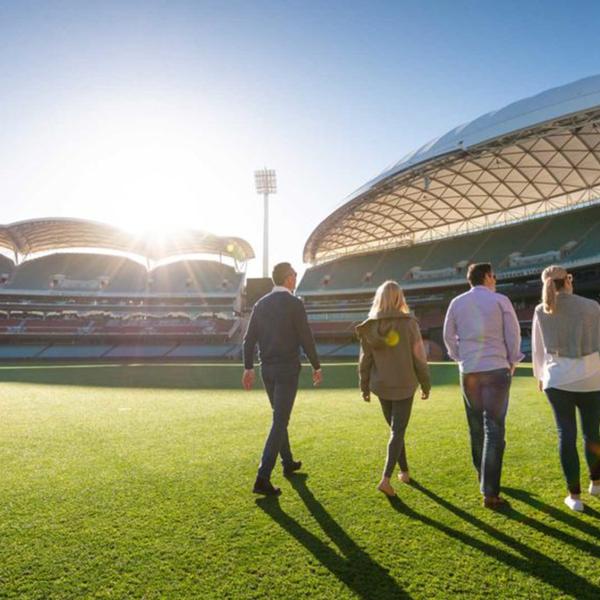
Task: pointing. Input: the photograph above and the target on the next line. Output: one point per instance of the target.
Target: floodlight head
(266, 181)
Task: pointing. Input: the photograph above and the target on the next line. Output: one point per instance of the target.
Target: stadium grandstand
(72, 289)
(518, 187)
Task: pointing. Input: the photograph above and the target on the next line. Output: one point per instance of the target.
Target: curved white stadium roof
(48, 235)
(533, 156)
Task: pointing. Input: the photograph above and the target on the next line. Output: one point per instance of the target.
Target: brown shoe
(291, 468)
(495, 502)
(265, 487)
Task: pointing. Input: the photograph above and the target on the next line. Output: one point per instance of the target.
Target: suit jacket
(279, 325)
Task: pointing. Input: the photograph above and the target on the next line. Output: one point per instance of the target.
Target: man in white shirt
(482, 334)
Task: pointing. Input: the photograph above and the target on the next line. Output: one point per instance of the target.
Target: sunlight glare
(140, 166)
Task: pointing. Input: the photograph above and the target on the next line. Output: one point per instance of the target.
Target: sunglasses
(568, 278)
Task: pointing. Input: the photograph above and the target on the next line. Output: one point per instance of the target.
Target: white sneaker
(594, 489)
(573, 504)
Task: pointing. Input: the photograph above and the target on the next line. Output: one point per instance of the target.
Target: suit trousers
(281, 384)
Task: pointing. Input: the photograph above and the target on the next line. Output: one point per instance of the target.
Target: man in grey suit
(279, 326)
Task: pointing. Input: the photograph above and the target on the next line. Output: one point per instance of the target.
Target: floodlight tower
(266, 183)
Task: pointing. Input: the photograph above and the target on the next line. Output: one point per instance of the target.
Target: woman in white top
(566, 363)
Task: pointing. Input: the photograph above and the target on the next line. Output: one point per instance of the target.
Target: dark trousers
(564, 404)
(281, 384)
(486, 401)
(397, 415)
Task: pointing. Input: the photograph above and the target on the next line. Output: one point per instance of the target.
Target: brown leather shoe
(290, 469)
(495, 502)
(265, 487)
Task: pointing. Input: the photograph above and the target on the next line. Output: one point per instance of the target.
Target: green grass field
(111, 488)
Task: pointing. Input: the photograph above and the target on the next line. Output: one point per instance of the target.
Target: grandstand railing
(459, 280)
(54, 293)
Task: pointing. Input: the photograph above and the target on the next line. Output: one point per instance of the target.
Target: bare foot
(385, 487)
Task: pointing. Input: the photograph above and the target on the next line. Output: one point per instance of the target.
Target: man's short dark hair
(281, 271)
(477, 271)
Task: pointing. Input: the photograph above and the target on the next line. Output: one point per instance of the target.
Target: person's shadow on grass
(356, 569)
(567, 519)
(527, 560)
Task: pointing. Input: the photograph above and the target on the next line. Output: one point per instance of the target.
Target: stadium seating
(525, 314)
(349, 273)
(419, 274)
(6, 269)
(32, 324)
(350, 350)
(194, 276)
(75, 327)
(324, 328)
(397, 264)
(589, 244)
(519, 249)
(551, 235)
(74, 272)
(54, 326)
(70, 351)
(204, 351)
(430, 319)
(11, 326)
(346, 350)
(495, 246)
(570, 235)
(139, 351)
(14, 351)
(554, 231)
(78, 272)
(117, 327)
(340, 274)
(447, 254)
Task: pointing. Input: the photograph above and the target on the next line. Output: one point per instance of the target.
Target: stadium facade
(518, 187)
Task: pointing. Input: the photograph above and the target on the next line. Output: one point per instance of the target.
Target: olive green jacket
(392, 362)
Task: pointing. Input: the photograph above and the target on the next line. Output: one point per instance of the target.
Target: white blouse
(560, 372)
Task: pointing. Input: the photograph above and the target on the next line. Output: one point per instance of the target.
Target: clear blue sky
(156, 113)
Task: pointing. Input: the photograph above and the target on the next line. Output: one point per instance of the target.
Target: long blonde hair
(553, 278)
(389, 296)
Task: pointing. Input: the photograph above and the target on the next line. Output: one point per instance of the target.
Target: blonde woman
(392, 364)
(566, 363)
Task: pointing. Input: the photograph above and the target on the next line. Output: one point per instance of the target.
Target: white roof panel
(535, 155)
(522, 114)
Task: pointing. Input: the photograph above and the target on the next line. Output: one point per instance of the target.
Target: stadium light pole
(266, 183)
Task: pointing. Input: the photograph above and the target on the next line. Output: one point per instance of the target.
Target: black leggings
(397, 415)
(564, 404)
